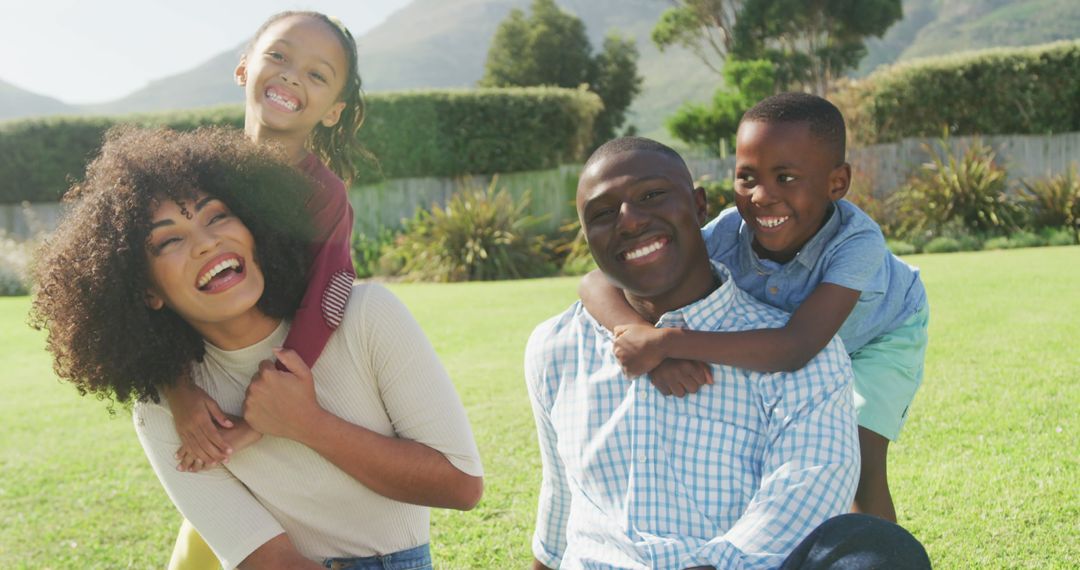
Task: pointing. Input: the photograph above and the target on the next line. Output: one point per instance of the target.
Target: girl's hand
(282, 403)
(680, 377)
(239, 437)
(638, 348)
(198, 418)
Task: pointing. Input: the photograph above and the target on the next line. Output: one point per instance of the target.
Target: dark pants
(856, 541)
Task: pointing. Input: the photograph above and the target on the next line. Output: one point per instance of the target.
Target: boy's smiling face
(785, 180)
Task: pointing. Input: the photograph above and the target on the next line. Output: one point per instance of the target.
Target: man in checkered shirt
(742, 474)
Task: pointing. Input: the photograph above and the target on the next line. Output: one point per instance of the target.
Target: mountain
(211, 83)
(16, 102)
(443, 43)
(937, 27)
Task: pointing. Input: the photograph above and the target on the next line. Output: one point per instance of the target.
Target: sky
(92, 51)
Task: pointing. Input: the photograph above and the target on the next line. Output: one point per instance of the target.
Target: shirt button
(645, 394)
(642, 458)
(773, 290)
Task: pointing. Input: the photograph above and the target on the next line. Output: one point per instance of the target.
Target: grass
(985, 474)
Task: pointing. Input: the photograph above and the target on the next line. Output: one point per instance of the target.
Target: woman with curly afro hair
(182, 255)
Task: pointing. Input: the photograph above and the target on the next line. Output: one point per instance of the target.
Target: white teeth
(771, 222)
(273, 96)
(231, 263)
(642, 252)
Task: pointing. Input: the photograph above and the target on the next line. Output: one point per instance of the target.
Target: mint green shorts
(888, 370)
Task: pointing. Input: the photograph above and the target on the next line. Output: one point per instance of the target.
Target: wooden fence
(884, 168)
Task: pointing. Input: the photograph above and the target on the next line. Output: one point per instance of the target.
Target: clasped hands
(642, 349)
(278, 403)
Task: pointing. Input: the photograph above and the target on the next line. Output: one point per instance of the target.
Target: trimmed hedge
(1031, 90)
(443, 133)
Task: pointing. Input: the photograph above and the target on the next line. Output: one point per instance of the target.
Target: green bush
(415, 134)
(14, 261)
(999, 242)
(719, 195)
(1029, 90)
(943, 245)
(367, 250)
(898, 247)
(480, 235)
(451, 133)
(1054, 202)
(571, 251)
(1059, 236)
(971, 190)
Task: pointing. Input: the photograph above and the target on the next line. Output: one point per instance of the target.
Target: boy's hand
(197, 418)
(678, 377)
(239, 437)
(638, 348)
(282, 403)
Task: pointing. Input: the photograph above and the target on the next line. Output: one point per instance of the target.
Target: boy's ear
(240, 73)
(333, 115)
(839, 181)
(702, 205)
(153, 301)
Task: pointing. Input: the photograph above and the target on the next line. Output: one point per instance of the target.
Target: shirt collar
(707, 312)
(809, 254)
(703, 314)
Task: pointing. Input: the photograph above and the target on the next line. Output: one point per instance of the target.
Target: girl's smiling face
(202, 266)
(293, 76)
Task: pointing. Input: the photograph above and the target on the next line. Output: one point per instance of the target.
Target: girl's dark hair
(336, 146)
(92, 273)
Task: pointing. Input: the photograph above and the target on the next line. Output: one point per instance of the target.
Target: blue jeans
(417, 558)
(858, 542)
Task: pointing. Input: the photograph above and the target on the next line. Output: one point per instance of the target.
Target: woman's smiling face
(201, 260)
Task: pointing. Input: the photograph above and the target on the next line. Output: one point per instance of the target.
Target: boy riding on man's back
(794, 243)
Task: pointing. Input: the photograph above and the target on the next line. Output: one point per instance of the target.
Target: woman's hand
(282, 403)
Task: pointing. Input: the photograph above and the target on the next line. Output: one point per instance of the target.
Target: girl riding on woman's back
(302, 93)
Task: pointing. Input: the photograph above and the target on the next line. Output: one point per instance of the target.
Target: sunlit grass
(985, 474)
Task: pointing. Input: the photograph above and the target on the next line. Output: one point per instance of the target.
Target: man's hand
(282, 403)
(198, 418)
(678, 377)
(638, 348)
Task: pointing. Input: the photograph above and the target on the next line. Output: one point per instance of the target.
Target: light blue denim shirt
(849, 250)
(734, 476)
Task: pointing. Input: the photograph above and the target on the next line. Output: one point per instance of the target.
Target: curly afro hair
(92, 274)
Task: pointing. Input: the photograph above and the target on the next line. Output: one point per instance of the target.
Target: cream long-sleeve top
(378, 371)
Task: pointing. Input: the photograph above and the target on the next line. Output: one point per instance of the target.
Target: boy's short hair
(627, 144)
(825, 120)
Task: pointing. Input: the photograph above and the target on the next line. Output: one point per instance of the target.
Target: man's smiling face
(642, 218)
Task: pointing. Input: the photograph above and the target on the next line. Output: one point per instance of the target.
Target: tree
(707, 125)
(550, 47)
(810, 42)
(616, 82)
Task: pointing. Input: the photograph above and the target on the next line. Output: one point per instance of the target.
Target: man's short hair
(627, 144)
(825, 120)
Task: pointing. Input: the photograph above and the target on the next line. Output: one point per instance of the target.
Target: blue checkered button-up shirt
(731, 477)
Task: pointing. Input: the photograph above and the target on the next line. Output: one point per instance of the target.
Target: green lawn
(986, 474)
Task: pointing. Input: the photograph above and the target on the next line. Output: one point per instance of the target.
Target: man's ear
(839, 181)
(333, 115)
(702, 205)
(240, 73)
(153, 301)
